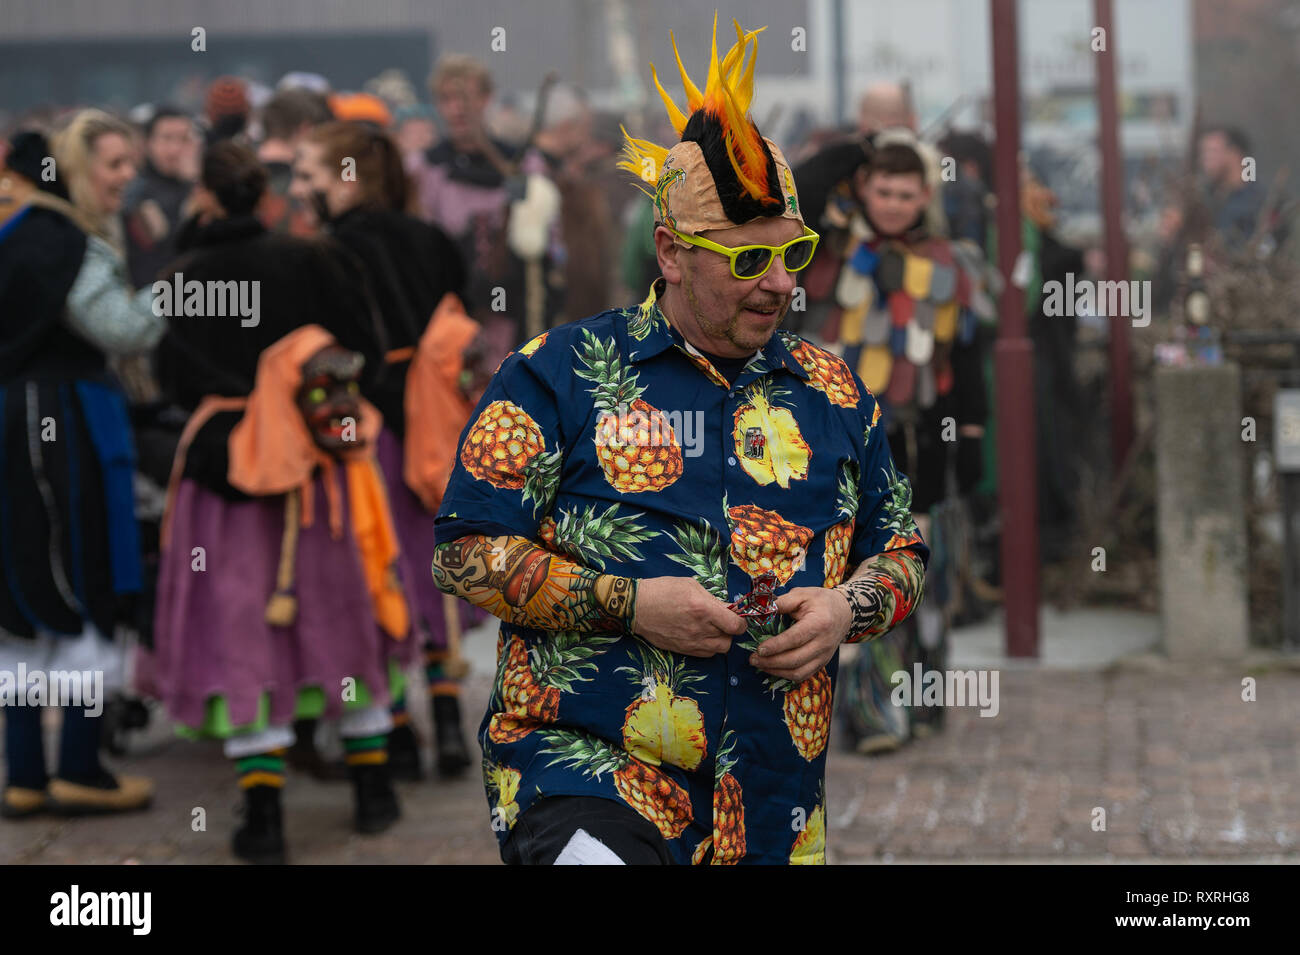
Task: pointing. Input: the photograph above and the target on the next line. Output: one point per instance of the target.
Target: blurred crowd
(359, 213)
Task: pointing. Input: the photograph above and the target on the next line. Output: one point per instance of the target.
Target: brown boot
(18, 802)
(106, 794)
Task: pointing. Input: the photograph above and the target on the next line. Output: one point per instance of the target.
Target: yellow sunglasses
(749, 262)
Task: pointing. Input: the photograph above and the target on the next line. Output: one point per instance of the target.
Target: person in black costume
(69, 543)
(409, 266)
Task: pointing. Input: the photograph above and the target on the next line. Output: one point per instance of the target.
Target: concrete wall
(542, 35)
(1201, 523)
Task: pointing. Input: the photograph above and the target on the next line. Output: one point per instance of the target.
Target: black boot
(404, 754)
(305, 757)
(260, 839)
(377, 806)
(449, 739)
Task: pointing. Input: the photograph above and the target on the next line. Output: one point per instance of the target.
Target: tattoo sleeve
(523, 583)
(883, 592)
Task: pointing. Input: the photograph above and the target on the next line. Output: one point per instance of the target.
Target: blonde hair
(455, 66)
(73, 149)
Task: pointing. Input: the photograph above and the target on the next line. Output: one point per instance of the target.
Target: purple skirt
(414, 527)
(211, 635)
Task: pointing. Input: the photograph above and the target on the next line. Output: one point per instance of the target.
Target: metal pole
(1013, 358)
(837, 66)
(1290, 487)
(1112, 201)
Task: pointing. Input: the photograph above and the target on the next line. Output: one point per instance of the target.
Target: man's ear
(667, 252)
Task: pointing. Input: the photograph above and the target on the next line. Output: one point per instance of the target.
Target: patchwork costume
(611, 449)
(905, 312)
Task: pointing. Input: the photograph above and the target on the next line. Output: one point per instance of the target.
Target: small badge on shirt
(755, 442)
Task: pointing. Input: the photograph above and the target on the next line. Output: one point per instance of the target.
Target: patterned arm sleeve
(103, 309)
(523, 583)
(505, 480)
(883, 592)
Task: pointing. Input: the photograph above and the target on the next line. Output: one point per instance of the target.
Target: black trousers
(542, 832)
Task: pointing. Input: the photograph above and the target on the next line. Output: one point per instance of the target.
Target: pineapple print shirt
(609, 440)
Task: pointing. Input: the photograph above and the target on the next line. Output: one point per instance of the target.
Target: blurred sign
(1286, 417)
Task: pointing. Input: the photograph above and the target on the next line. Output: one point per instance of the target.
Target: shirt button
(735, 680)
(731, 461)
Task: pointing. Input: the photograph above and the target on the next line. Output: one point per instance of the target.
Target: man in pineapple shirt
(623, 485)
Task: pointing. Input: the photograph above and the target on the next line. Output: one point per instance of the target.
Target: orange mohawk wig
(740, 161)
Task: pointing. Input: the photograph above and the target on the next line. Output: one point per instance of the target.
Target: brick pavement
(1185, 770)
(1181, 765)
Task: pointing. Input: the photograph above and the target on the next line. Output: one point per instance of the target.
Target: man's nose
(778, 280)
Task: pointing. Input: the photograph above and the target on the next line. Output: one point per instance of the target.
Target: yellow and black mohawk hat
(724, 172)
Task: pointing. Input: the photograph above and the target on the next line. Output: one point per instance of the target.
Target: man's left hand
(822, 618)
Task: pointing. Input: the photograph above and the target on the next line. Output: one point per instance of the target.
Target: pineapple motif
(728, 807)
(510, 728)
(808, 714)
(810, 845)
(866, 432)
(651, 792)
(827, 373)
(531, 346)
(593, 538)
(635, 444)
(643, 319)
(530, 683)
(840, 537)
(728, 837)
(763, 540)
(503, 789)
(517, 688)
(806, 708)
(769, 445)
(662, 726)
(700, 850)
(506, 448)
(703, 554)
(898, 510)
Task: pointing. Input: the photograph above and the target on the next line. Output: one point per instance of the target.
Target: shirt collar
(649, 333)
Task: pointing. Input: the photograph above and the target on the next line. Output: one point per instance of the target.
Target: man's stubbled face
(733, 316)
(330, 395)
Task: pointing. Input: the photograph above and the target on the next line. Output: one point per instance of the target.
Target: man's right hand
(678, 614)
